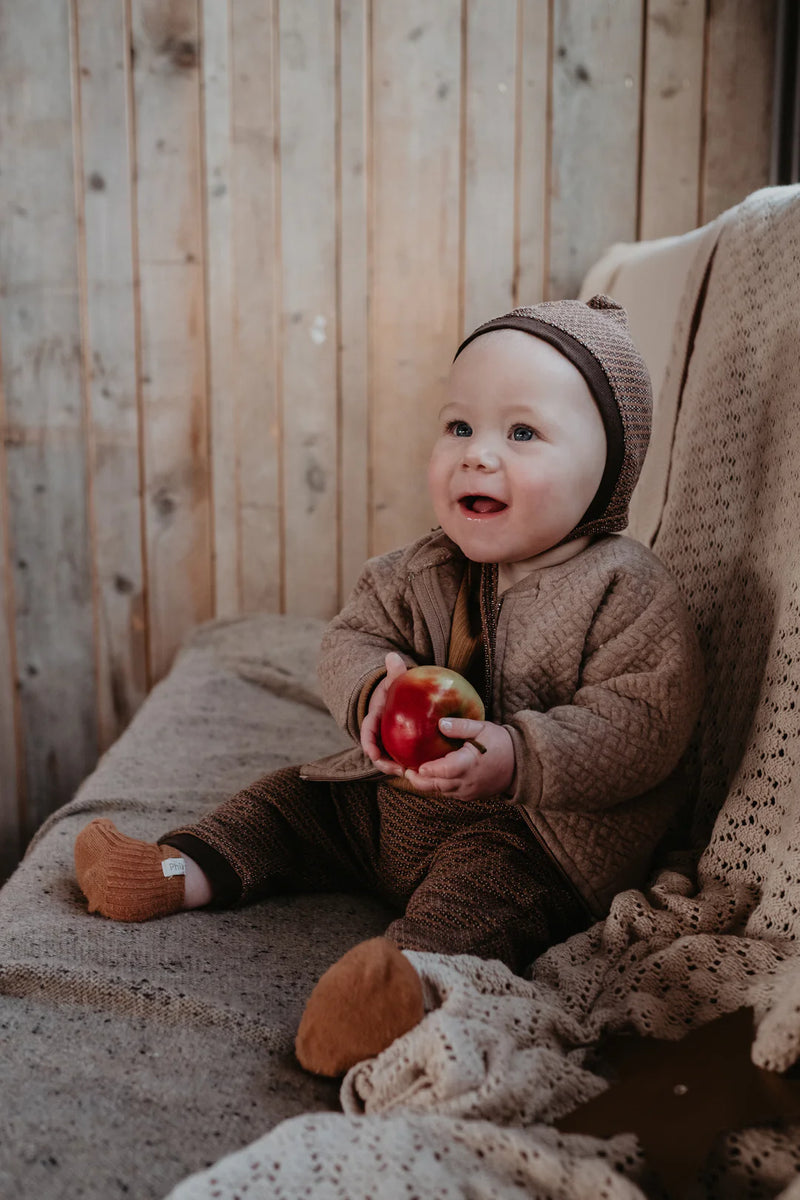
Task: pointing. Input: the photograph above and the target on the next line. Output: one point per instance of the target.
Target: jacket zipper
(490, 610)
(433, 616)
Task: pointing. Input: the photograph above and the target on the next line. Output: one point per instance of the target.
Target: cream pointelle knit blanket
(463, 1105)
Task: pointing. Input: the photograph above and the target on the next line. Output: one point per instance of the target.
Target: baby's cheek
(436, 480)
(539, 492)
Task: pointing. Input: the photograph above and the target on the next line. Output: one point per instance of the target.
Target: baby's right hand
(371, 725)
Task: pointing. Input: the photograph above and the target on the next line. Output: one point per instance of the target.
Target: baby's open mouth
(482, 504)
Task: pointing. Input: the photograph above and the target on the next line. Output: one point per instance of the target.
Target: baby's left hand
(466, 773)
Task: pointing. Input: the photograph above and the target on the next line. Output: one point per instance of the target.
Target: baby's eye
(459, 428)
(522, 433)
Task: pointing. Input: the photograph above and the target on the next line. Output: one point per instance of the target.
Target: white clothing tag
(173, 866)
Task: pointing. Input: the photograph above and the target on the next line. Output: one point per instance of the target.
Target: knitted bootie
(363, 1002)
(123, 878)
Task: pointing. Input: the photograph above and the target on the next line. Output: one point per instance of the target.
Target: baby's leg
(280, 834)
(130, 880)
(490, 890)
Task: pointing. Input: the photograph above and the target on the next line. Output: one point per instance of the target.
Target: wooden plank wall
(239, 241)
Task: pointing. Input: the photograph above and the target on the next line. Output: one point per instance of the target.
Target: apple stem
(478, 745)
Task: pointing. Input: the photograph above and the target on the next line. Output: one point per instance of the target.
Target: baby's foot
(366, 1000)
(123, 878)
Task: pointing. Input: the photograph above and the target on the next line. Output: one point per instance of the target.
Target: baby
(577, 639)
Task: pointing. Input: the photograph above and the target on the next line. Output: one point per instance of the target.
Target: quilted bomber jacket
(596, 673)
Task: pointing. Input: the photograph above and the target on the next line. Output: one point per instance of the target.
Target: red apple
(415, 703)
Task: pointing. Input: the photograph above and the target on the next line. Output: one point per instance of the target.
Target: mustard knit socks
(126, 879)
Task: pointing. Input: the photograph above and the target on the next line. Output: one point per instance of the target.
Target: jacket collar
(436, 548)
(432, 550)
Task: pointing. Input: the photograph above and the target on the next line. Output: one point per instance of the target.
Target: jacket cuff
(527, 785)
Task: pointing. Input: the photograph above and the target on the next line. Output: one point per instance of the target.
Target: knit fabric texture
(596, 674)
(464, 877)
(123, 878)
(596, 338)
(463, 1104)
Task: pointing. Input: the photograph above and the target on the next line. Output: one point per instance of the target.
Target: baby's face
(521, 448)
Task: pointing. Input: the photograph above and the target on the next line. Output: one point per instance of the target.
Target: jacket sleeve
(377, 618)
(630, 720)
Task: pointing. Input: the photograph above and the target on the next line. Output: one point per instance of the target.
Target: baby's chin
(475, 553)
(486, 550)
(515, 565)
(481, 556)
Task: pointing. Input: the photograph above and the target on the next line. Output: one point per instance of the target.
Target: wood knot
(164, 503)
(182, 52)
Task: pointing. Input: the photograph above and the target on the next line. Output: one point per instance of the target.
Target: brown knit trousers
(468, 877)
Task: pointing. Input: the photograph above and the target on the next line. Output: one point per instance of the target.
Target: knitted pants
(468, 877)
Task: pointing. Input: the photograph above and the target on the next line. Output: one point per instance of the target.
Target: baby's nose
(480, 454)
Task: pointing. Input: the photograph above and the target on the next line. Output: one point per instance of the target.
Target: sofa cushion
(134, 1054)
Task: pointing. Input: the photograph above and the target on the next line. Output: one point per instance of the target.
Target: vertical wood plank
(533, 120)
(739, 96)
(256, 256)
(10, 778)
(217, 125)
(414, 315)
(489, 176)
(45, 435)
(309, 306)
(353, 291)
(111, 369)
(673, 118)
(596, 95)
(169, 219)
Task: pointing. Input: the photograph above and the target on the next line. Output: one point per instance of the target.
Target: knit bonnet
(594, 336)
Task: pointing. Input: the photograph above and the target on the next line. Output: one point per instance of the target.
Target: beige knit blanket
(463, 1105)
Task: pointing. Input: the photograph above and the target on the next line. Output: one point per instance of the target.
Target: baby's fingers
(388, 766)
(423, 784)
(453, 765)
(374, 750)
(395, 666)
(462, 727)
(369, 741)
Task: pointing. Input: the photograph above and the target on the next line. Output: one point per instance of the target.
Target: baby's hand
(469, 773)
(371, 725)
